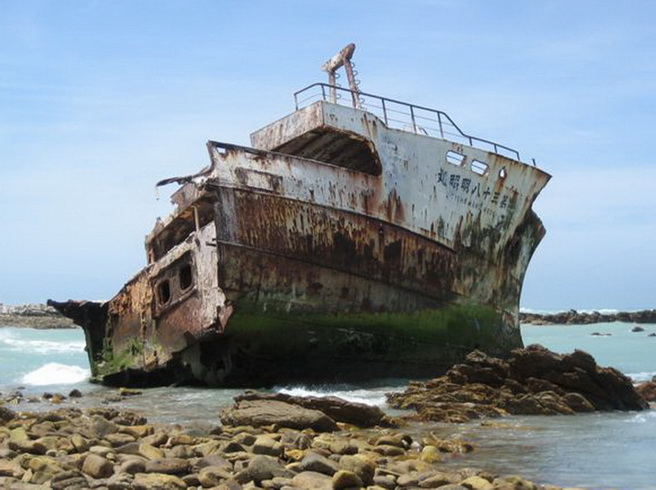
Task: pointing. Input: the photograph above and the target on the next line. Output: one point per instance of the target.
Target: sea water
(600, 450)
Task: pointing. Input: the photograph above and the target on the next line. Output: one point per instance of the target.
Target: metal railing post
(412, 117)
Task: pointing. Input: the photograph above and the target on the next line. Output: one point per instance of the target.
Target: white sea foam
(54, 373)
(642, 417)
(368, 397)
(42, 346)
(640, 377)
(602, 311)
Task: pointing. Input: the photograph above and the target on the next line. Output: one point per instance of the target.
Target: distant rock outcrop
(32, 315)
(533, 381)
(573, 317)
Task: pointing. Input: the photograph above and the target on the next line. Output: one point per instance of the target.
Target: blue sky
(101, 99)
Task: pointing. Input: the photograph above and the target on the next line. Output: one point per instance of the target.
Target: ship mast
(343, 58)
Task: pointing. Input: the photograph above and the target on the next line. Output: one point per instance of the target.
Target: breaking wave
(355, 395)
(54, 373)
(42, 346)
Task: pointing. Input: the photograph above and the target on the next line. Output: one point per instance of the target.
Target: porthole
(478, 167)
(454, 158)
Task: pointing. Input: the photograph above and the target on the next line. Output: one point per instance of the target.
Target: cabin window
(163, 292)
(503, 173)
(480, 168)
(455, 158)
(185, 277)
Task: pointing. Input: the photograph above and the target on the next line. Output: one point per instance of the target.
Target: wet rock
(397, 440)
(118, 440)
(120, 481)
(435, 480)
(387, 450)
(537, 382)
(346, 479)
(10, 468)
(100, 426)
(129, 392)
(264, 468)
(267, 445)
(477, 483)
(133, 466)
(80, 443)
(514, 482)
(169, 466)
(157, 481)
(97, 467)
(578, 403)
(260, 413)
(6, 415)
(319, 464)
(338, 409)
(647, 391)
(387, 482)
(150, 452)
(363, 467)
(137, 431)
(211, 476)
(30, 447)
(310, 480)
(430, 454)
(68, 480)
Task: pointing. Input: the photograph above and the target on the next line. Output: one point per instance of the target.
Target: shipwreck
(360, 237)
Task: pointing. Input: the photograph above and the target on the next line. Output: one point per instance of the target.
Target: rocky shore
(286, 446)
(33, 316)
(284, 442)
(532, 381)
(573, 317)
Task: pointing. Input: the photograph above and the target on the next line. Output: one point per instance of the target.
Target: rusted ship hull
(306, 293)
(337, 249)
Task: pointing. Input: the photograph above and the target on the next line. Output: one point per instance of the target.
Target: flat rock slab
(338, 409)
(258, 413)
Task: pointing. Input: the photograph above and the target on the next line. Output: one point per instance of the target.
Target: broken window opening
(164, 292)
(185, 277)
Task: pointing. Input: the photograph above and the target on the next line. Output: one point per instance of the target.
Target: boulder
(258, 413)
(338, 409)
(346, 479)
(647, 391)
(6, 415)
(263, 468)
(97, 467)
(317, 463)
(363, 467)
(533, 381)
(309, 480)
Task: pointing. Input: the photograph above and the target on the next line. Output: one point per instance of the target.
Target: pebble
(106, 449)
